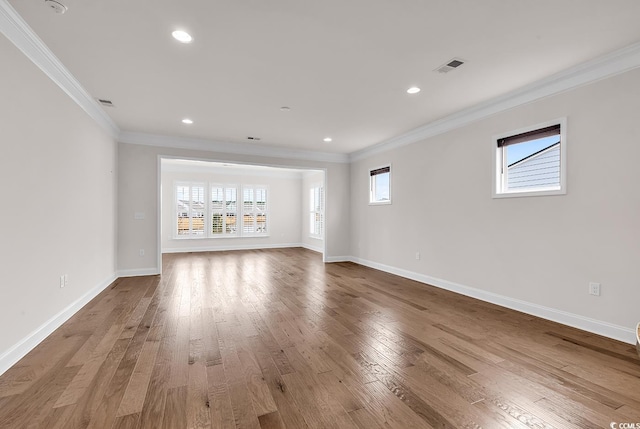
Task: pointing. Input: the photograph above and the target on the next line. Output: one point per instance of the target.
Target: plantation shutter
(248, 213)
(261, 210)
(217, 209)
(183, 196)
(316, 209)
(231, 210)
(197, 210)
(320, 210)
(224, 209)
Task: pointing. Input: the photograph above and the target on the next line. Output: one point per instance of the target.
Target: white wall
(283, 202)
(57, 171)
(312, 178)
(137, 192)
(540, 250)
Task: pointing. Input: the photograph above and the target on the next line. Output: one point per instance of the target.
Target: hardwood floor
(275, 338)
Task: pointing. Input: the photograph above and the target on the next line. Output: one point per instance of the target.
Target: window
(226, 216)
(190, 209)
(380, 185)
(531, 161)
(254, 209)
(316, 211)
(224, 210)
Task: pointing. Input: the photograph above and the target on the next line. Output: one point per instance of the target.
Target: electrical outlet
(141, 252)
(62, 282)
(66, 280)
(417, 255)
(594, 289)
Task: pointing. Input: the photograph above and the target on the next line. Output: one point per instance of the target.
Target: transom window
(531, 161)
(220, 214)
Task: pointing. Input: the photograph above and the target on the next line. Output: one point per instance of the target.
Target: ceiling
(342, 67)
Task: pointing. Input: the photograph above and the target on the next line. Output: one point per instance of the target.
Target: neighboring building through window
(226, 216)
(316, 211)
(380, 185)
(531, 162)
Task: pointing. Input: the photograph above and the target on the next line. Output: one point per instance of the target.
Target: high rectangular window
(380, 185)
(531, 161)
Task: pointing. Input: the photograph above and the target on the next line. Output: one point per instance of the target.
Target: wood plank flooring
(275, 339)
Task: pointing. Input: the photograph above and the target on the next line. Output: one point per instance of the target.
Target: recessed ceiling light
(327, 139)
(413, 90)
(187, 121)
(182, 36)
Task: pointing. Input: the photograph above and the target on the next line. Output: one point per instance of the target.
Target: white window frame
(372, 184)
(499, 164)
(191, 235)
(316, 210)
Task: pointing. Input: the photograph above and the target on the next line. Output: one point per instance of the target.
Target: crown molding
(605, 66)
(25, 39)
(228, 147)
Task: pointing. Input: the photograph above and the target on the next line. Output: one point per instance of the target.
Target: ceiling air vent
(253, 138)
(107, 103)
(451, 65)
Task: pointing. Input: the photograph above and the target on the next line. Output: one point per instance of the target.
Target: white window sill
(380, 203)
(225, 236)
(530, 193)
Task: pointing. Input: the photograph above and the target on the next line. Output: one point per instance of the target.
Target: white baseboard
(138, 272)
(312, 248)
(340, 259)
(227, 248)
(19, 350)
(616, 332)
